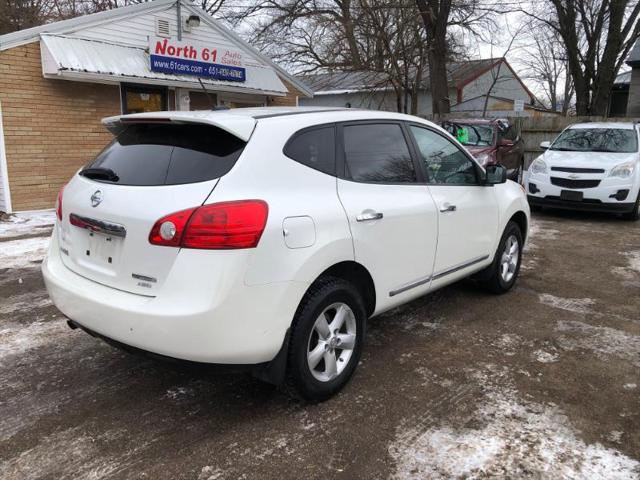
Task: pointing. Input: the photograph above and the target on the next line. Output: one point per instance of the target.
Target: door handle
(368, 216)
(447, 207)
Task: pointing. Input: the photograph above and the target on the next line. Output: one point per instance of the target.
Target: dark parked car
(491, 142)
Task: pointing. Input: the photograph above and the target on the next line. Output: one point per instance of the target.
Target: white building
(58, 80)
(468, 81)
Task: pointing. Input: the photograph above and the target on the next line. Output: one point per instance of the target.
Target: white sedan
(267, 237)
(590, 166)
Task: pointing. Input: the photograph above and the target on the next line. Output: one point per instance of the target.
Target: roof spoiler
(237, 125)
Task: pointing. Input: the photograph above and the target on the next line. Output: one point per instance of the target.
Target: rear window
(166, 154)
(377, 153)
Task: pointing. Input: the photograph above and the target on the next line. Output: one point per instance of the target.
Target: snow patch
(23, 253)
(603, 341)
(511, 438)
(615, 436)
(634, 260)
(71, 453)
(179, 393)
(576, 305)
(623, 272)
(545, 357)
(210, 473)
(509, 343)
(539, 230)
(630, 386)
(27, 223)
(25, 302)
(45, 458)
(16, 338)
(631, 271)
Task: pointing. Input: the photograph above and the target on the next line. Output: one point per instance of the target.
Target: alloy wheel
(331, 342)
(510, 258)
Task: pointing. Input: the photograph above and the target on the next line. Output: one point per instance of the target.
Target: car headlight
(538, 166)
(483, 158)
(624, 170)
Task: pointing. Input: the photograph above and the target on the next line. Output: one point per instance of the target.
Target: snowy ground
(25, 238)
(35, 222)
(542, 383)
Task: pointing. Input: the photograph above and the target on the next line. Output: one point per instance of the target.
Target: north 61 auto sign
(192, 58)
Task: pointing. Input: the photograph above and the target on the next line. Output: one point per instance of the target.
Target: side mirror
(495, 174)
(545, 145)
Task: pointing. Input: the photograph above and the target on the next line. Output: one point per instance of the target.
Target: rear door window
(377, 153)
(314, 148)
(166, 154)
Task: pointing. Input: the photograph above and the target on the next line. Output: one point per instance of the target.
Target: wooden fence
(538, 129)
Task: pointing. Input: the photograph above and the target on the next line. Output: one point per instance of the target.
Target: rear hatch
(151, 169)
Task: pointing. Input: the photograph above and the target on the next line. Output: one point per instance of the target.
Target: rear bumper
(201, 314)
(556, 202)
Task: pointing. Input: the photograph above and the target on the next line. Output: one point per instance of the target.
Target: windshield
(615, 140)
(470, 134)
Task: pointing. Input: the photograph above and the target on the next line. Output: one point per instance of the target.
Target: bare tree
(597, 36)
(497, 71)
(438, 16)
(368, 35)
(544, 62)
(435, 16)
(21, 14)
(316, 36)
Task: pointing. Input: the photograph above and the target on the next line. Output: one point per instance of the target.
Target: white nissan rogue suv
(267, 237)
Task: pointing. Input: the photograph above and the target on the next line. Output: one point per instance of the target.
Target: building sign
(198, 59)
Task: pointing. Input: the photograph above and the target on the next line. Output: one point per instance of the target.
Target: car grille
(577, 170)
(568, 183)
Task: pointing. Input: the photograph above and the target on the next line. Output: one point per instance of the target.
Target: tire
(314, 341)
(495, 278)
(634, 214)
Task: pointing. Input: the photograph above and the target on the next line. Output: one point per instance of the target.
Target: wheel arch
(359, 276)
(520, 218)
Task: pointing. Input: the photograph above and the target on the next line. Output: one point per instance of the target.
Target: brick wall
(289, 100)
(52, 127)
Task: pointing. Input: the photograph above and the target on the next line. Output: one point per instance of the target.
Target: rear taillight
(225, 225)
(59, 203)
(168, 230)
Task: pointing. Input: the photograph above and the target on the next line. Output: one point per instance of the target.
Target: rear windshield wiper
(100, 173)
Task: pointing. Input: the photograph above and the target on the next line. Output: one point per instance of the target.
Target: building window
(202, 101)
(138, 98)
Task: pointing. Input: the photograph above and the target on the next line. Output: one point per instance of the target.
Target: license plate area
(96, 246)
(102, 250)
(571, 195)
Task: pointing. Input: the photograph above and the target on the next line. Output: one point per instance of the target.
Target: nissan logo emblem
(96, 198)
